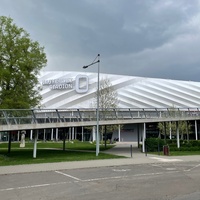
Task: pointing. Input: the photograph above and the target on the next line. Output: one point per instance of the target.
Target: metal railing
(46, 116)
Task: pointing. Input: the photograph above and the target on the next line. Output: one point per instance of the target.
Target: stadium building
(73, 90)
(61, 89)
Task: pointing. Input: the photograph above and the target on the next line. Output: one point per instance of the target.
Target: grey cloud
(134, 37)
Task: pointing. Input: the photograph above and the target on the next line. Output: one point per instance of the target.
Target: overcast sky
(148, 38)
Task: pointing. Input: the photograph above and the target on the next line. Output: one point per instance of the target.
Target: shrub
(154, 144)
(192, 145)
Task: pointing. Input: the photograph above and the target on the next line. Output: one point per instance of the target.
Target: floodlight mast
(96, 60)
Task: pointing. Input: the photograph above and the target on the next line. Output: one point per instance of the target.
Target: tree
(108, 101)
(184, 128)
(169, 128)
(107, 97)
(21, 60)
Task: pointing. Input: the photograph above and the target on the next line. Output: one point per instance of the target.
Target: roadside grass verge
(51, 152)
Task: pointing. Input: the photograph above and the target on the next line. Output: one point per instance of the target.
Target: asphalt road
(160, 181)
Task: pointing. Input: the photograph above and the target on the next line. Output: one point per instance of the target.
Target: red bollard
(166, 150)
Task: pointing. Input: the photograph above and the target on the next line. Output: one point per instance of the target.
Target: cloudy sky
(148, 38)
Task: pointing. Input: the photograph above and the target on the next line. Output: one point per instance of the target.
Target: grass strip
(51, 152)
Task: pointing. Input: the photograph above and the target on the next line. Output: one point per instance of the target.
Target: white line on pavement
(73, 177)
(121, 170)
(188, 170)
(79, 180)
(32, 186)
(166, 159)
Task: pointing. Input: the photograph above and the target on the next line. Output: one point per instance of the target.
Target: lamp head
(84, 67)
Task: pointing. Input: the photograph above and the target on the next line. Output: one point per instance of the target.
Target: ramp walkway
(29, 119)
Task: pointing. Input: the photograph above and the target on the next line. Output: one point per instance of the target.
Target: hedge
(156, 144)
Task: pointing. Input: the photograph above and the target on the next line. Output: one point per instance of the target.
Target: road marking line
(166, 159)
(73, 177)
(121, 170)
(32, 186)
(87, 180)
(188, 170)
(170, 168)
(118, 177)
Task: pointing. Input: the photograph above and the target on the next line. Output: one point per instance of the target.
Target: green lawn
(51, 152)
(69, 145)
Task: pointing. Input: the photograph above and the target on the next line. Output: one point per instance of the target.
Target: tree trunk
(165, 131)
(187, 131)
(64, 139)
(9, 142)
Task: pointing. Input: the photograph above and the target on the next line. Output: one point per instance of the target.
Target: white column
(31, 135)
(35, 144)
(18, 134)
(196, 136)
(144, 138)
(93, 133)
(72, 133)
(56, 134)
(170, 130)
(119, 133)
(52, 134)
(177, 135)
(44, 136)
(82, 133)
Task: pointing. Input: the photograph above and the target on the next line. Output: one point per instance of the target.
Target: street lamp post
(96, 60)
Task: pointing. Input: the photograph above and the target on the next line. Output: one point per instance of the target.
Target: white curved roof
(67, 89)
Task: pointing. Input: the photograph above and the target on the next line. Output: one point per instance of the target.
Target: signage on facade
(80, 83)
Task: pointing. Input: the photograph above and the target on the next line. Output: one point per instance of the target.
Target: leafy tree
(107, 98)
(167, 127)
(21, 60)
(108, 101)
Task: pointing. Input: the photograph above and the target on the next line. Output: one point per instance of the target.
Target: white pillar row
(196, 136)
(35, 144)
(31, 135)
(93, 133)
(56, 134)
(177, 135)
(52, 134)
(119, 133)
(44, 136)
(144, 137)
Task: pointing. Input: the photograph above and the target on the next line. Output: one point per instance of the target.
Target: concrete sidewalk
(120, 149)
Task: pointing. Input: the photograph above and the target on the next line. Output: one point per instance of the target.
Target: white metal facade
(67, 89)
